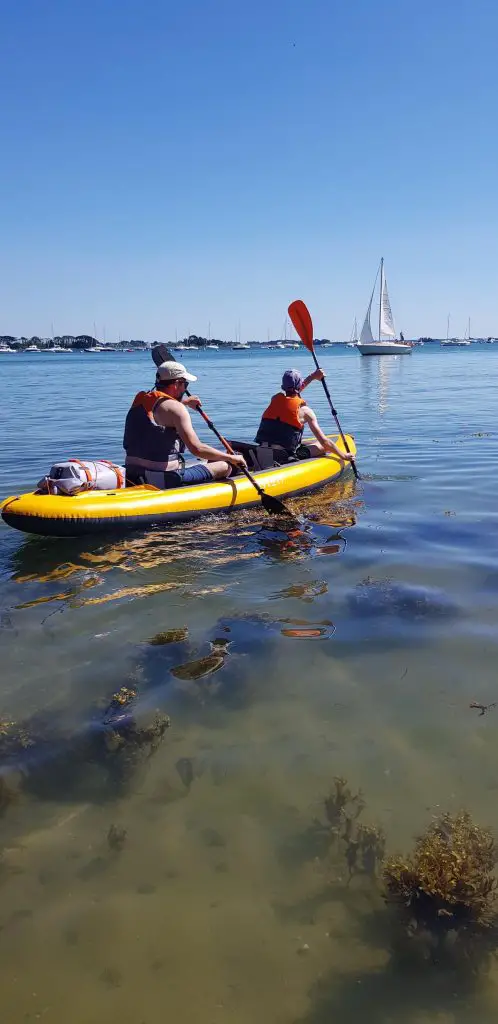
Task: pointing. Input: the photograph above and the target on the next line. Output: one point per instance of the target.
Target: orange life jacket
(280, 422)
(149, 399)
(285, 408)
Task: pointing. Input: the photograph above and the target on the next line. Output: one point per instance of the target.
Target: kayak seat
(261, 456)
(248, 450)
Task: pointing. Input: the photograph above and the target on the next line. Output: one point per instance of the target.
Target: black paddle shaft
(229, 448)
(272, 505)
(334, 414)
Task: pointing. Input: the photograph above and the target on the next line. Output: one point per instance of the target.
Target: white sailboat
(387, 343)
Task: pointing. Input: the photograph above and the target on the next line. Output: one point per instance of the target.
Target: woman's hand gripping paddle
(273, 506)
(303, 323)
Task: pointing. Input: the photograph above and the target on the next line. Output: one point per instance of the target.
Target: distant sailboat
(387, 344)
(456, 342)
(353, 341)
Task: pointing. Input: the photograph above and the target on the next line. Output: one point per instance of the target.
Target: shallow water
(349, 646)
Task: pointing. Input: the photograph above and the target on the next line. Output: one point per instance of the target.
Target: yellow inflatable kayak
(135, 508)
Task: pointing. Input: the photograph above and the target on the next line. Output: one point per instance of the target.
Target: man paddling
(284, 420)
(158, 428)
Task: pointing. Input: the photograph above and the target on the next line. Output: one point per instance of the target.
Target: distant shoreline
(93, 347)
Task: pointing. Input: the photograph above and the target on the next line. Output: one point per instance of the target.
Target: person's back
(283, 421)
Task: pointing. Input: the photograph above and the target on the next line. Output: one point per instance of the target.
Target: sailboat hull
(384, 348)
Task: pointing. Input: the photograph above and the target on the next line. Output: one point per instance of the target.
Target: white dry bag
(77, 475)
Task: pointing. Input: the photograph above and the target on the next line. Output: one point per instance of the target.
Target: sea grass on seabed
(99, 761)
(444, 894)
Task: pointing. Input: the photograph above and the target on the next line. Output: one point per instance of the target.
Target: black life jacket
(145, 441)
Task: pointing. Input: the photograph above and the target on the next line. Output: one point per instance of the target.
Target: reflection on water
(184, 551)
(180, 713)
(378, 374)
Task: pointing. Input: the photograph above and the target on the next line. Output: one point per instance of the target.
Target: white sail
(366, 336)
(386, 344)
(386, 316)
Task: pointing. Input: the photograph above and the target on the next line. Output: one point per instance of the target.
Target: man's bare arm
(176, 415)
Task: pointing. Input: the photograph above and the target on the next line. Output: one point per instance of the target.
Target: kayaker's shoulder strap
(148, 400)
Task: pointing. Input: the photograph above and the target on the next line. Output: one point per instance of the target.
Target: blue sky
(166, 166)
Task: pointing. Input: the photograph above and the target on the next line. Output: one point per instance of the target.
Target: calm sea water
(223, 904)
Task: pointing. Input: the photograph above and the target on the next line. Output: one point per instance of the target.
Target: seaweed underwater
(341, 839)
(430, 915)
(444, 894)
(38, 757)
(441, 898)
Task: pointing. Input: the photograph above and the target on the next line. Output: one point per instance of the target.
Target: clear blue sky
(169, 165)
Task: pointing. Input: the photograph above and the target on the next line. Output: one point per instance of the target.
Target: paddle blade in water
(302, 321)
(274, 506)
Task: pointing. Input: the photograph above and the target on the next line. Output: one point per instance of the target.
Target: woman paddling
(283, 422)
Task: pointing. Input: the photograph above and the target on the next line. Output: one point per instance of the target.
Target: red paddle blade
(302, 321)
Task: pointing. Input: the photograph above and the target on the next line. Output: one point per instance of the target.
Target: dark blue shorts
(197, 474)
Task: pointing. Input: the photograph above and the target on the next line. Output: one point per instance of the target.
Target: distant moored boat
(456, 341)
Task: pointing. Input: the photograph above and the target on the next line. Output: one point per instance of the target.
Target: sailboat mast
(381, 291)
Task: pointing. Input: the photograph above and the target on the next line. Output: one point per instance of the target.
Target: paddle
(302, 321)
(273, 506)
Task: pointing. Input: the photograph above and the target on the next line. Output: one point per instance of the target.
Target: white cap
(173, 371)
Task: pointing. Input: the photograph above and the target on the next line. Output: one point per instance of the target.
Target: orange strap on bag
(120, 480)
(84, 468)
(119, 476)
